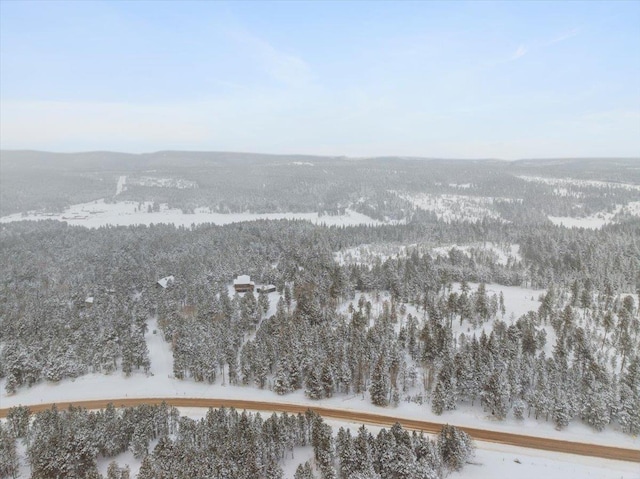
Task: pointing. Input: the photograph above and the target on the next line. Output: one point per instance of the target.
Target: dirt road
(543, 443)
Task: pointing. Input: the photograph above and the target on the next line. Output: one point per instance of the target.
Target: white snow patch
(120, 187)
(598, 220)
(455, 207)
(366, 254)
(497, 460)
(568, 182)
(502, 253)
(156, 182)
(592, 222)
(99, 213)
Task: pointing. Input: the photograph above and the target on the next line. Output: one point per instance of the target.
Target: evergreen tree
(455, 446)
(380, 384)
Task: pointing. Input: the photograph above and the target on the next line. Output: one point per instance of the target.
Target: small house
(243, 284)
(166, 281)
(266, 288)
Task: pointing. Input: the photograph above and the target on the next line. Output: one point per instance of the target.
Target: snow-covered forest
(417, 308)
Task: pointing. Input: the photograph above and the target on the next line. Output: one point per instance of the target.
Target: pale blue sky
(456, 80)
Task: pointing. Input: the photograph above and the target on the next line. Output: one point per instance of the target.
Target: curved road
(521, 440)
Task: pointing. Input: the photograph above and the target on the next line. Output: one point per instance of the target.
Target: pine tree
(274, 471)
(327, 380)
(146, 470)
(438, 400)
(629, 408)
(380, 384)
(9, 464)
(496, 395)
(518, 409)
(282, 380)
(113, 471)
(455, 446)
(304, 472)
(313, 384)
(561, 411)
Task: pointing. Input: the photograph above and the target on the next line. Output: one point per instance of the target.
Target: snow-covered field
(497, 460)
(568, 182)
(590, 222)
(598, 220)
(157, 182)
(100, 213)
(502, 253)
(162, 384)
(366, 254)
(454, 207)
(121, 185)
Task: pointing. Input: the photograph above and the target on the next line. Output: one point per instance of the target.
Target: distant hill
(265, 183)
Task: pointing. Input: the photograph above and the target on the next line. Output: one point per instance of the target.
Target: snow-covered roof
(89, 300)
(243, 279)
(164, 282)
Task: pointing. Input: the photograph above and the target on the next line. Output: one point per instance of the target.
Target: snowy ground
(366, 254)
(590, 222)
(162, 384)
(455, 207)
(99, 213)
(491, 460)
(569, 182)
(158, 182)
(502, 253)
(598, 220)
(121, 185)
(497, 460)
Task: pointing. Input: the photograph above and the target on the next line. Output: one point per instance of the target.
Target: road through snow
(542, 443)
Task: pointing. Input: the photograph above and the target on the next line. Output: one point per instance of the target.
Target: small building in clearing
(164, 282)
(266, 288)
(243, 284)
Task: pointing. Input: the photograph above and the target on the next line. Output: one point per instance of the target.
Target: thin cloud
(520, 52)
(281, 66)
(564, 36)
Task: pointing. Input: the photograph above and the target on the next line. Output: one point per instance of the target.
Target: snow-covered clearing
(160, 383)
(120, 187)
(366, 254)
(598, 220)
(455, 207)
(568, 182)
(593, 222)
(632, 209)
(100, 213)
(502, 253)
(517, 300)
(497, 460)
(301, 163)
(157, 182)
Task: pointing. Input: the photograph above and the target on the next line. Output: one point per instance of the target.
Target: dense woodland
(237, 182)
(50, 333)
(224, 444)
(408, 326)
